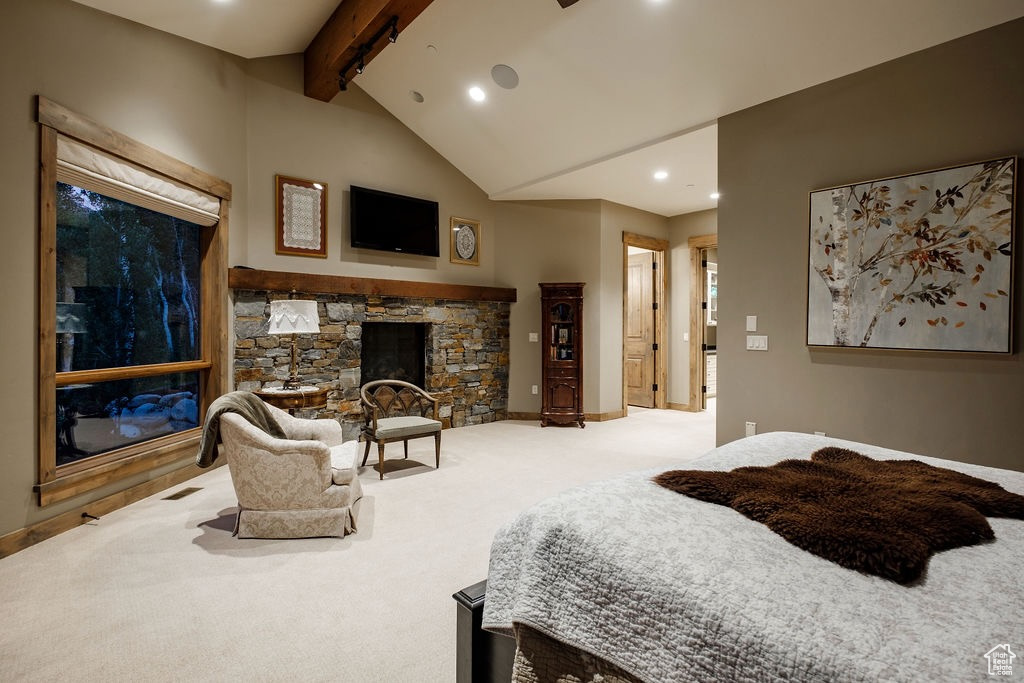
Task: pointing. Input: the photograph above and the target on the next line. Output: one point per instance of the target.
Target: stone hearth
(466, 350)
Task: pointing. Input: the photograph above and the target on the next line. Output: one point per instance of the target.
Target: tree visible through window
(128, 295)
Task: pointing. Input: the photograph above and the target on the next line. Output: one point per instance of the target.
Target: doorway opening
(703, 321)
(643, 321)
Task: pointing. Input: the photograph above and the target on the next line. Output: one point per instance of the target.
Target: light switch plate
(757, 342)
(533, 337)
(751, 323)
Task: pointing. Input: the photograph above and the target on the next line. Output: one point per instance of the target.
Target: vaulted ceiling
(609, 91)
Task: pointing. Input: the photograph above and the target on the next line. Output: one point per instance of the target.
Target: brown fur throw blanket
(883, 517)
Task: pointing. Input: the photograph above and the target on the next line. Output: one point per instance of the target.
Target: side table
(303, 398)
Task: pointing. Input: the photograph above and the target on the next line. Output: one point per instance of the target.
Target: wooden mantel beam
(352, 25)
(310, 283)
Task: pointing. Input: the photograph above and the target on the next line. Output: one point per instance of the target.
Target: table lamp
(294, 317)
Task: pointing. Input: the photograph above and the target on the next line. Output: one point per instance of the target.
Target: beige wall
(241, 120)
(351, 141)
(149, 85)
(616, 219)
(552, 241)
(680, 230)
(568, 241)
(954, 103)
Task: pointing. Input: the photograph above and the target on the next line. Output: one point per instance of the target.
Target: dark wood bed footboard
(481, 656)
(531, 657)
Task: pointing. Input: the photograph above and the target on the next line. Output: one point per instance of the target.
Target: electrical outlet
(751, 428)
(533, 338)
(533, 389)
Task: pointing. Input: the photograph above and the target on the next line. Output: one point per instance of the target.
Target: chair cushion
(405, 426)
(343, 462)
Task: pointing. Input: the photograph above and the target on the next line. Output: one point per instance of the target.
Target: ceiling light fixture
(477, 93)
(715, 195)
(660, 175)
(358, 62)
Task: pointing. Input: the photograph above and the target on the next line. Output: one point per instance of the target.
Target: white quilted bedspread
(674, 589)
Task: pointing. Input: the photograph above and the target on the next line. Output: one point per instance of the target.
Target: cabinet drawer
(563, 293)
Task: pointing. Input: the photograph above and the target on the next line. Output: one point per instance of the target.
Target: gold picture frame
(465, 241)
(301, 207)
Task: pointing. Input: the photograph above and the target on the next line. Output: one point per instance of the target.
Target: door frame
(660, 248)
(697, 244)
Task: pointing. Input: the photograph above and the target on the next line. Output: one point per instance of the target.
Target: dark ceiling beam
(337, 44)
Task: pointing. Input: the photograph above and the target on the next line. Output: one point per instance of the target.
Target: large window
(128, 286)
(132, 283)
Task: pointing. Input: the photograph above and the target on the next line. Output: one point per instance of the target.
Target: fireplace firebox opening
(393, 351)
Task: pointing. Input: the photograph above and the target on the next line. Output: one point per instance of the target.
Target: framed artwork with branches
(921, 261)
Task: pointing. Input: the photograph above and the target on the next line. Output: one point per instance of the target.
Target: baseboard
(604, 417)
(524, 416)
(685, 407)
(40, 531)
(592, 417)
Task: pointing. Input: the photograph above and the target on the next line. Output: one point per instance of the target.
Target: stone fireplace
(464, 331)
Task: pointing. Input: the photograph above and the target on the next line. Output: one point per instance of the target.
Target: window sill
(157, 454)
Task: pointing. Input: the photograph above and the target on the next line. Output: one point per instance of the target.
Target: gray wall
(958, 102)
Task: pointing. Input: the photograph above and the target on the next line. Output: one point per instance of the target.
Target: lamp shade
(71, 318)
(289, 316)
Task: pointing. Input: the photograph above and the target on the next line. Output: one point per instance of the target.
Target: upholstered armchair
(301, 486)
(394, 410)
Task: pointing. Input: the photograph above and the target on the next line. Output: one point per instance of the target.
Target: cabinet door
(562, 396)
(562, 337)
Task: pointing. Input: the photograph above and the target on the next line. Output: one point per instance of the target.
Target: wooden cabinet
(561, 306)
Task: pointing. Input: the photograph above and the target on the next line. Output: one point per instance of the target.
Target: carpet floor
(161, 591)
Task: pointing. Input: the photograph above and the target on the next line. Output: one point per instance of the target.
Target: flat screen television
(393, 222)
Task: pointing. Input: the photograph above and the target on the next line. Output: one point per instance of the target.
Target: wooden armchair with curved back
(394, 410)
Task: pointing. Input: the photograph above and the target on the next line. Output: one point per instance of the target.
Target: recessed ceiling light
(477, 93)
(715, 195)
(660, 175)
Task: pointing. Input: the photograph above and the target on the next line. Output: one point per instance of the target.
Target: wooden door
(640, 330)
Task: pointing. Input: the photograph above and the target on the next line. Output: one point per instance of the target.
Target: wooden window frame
(60, 483)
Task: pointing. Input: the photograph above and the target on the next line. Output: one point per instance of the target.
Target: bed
(625, 580)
